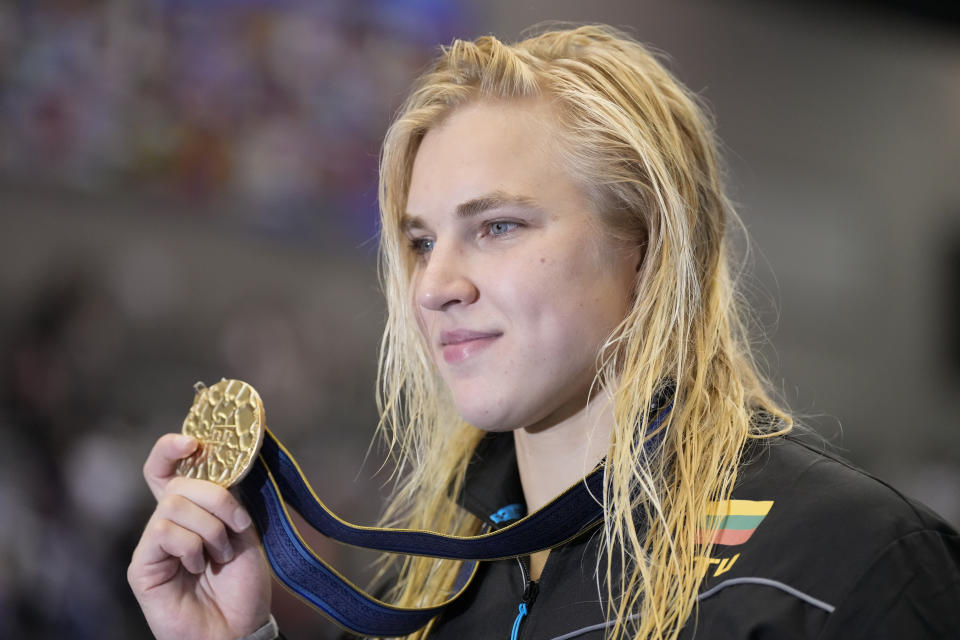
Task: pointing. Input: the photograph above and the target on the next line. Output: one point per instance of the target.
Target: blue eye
(501, 227)
(421, 246)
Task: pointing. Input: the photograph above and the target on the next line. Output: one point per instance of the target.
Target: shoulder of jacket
(816, 491)
(806, 524)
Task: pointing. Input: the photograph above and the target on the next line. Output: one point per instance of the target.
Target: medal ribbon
(276, 482)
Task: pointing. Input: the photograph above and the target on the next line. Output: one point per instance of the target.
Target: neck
(553, 455)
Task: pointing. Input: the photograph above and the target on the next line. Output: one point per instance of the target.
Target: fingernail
(241, 519)
(227, 553)
(184, 441)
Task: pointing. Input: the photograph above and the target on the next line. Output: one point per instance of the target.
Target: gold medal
(228, 420)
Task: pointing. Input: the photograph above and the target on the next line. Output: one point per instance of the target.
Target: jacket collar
(492, 490)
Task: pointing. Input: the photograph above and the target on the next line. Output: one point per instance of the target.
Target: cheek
(421, 323)
(416, 315)
(535, 294)
(416, 311)
(544, 302)
(583, 297)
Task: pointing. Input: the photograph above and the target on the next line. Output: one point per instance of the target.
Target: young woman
(557, 276)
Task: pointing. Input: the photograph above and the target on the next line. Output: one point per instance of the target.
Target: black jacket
(819, 550)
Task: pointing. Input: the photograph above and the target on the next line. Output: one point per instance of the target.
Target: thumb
(161, 464)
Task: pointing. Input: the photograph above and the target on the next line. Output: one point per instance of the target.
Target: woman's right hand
(198, 570)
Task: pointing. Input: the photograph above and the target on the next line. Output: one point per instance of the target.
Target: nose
(443, 281)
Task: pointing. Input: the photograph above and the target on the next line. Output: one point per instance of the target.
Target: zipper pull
(516, 623)
(529, 595)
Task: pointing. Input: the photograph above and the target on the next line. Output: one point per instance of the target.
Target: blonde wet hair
(647, 157)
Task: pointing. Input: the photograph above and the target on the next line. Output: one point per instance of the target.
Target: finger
(164, 539)
(211, 497)
(212, 531)
(161, 464)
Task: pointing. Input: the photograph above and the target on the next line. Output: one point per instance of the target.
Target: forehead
(506, 146)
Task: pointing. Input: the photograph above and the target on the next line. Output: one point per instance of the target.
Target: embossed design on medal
(228, 420)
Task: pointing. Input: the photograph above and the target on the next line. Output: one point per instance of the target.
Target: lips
(461, 344)
(465, 335)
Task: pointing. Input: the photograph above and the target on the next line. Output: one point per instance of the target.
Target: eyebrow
(476, 206)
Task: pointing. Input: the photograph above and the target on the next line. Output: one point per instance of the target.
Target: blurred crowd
(279, 105)
(259, 115)
(88, 387)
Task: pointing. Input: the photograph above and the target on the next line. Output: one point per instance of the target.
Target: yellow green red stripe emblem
(732, 522)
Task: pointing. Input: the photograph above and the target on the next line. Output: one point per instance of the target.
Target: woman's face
(516, 285)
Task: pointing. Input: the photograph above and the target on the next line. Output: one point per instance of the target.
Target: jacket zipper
(530, 590)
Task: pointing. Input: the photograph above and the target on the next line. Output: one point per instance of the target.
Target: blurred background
(188, 191)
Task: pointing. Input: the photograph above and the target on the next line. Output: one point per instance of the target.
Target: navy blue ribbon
(277, 474)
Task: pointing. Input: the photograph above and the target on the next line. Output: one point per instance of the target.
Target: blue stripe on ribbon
(313, 580)
(276, 474)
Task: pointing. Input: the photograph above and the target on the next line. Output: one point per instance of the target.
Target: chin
(492, 427)
(488, 423)
(485, 419)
